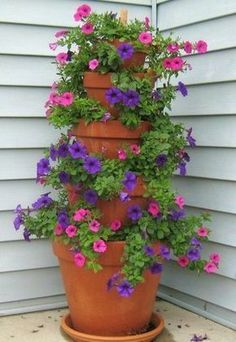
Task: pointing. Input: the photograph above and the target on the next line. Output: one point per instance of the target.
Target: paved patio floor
(180, 324)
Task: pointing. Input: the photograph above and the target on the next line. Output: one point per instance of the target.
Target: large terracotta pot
(96, 311)
(109, 137)
(96, 85)
(136, 60)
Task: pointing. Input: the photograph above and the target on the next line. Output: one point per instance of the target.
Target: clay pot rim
(155, 318)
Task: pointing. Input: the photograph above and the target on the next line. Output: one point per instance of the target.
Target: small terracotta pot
(109, 137)
(136, 60)
(96, 311)
(96, 85)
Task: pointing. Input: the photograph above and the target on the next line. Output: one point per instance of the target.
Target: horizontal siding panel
(207, 287)
(192, 12)
(23, 101)
(217, 33)
(16, 286)
(206, 193)
(46, 12)
(21, 255)
(222, 226)
(210, 131)
(217, 163)
(25, 40)
(19, 164)
(21, 191)
(26, 133)
(204, 100)
(27, 71)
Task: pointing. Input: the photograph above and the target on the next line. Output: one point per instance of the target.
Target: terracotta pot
(136, 60)
(96, 311)
(96, 85)
(109, 137)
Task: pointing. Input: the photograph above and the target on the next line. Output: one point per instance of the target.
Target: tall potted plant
(115, 218)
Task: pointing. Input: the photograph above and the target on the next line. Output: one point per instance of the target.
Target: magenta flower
(174, 47)
(135, 149)
(71, 231)
(183, 261)
(79, 259)
(61, 33)
(201, 46)
(210, 267)
(177, 63)
(145, 38)
(147, 23)
(154, 208)
(53, 46)
(66, 99)
(202, 231)
(58, 230)
(84, 10)
(94, 226)
(122, 155)
(77, 16)
(179, 200)
(215, 257)
(87, 28)
(93, 64)
(115, 225)
(61, 58)
(80, 215)
(188, 47)
(167, 63)
(99, 246)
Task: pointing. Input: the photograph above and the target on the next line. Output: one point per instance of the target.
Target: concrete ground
(181, 325)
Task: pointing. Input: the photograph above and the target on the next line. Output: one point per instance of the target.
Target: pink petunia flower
(147, 23)
(201, 46)
(122, 155)
(210, 267)
(93, 64)
(54, 86)
(54, 98)
(215, 257)
(66, 99)
(145, 38)
(61, 58)
(58, 230)
(84, 10)
(80, 215)
(188, 47)
(71, 231)
(172, 47)
(53, 46)
(183, 261)
(61, 33)
(154, 208)
(99, 246)
(167, 63)
(179, 200)
(87, 28)
(177, 63)
(202, 231)
(94, 226)
(135, 149)
(77, 16)
(48, 112)
(79, 259)
(115, 225)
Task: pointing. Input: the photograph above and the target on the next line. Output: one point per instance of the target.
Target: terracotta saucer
(149, 336)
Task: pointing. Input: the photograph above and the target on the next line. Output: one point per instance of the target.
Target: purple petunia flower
(43, 202)
(124, 196)
(69, 56)
(130, 180)
(64, 177)
(186, 156)
(149, 251)
(63, 150)
(182, 168)
(43, 167)
(190, 139)
(156, 94)
(112, 281)
(176, 215)
(165, 252)
(199, 338)
(196, 243)
(18, 210)
(92, 165)
(135, 212)
(161, 160)
(156, 268)
(91, 196)
(53, 152)
(78, 151)
(106, 117)
(63, 219)
(26, 234)
(113, 95)
(131, 98)
(125, 289)
(193, 254)
(125, 51)
(182, 88)
(18, 222)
